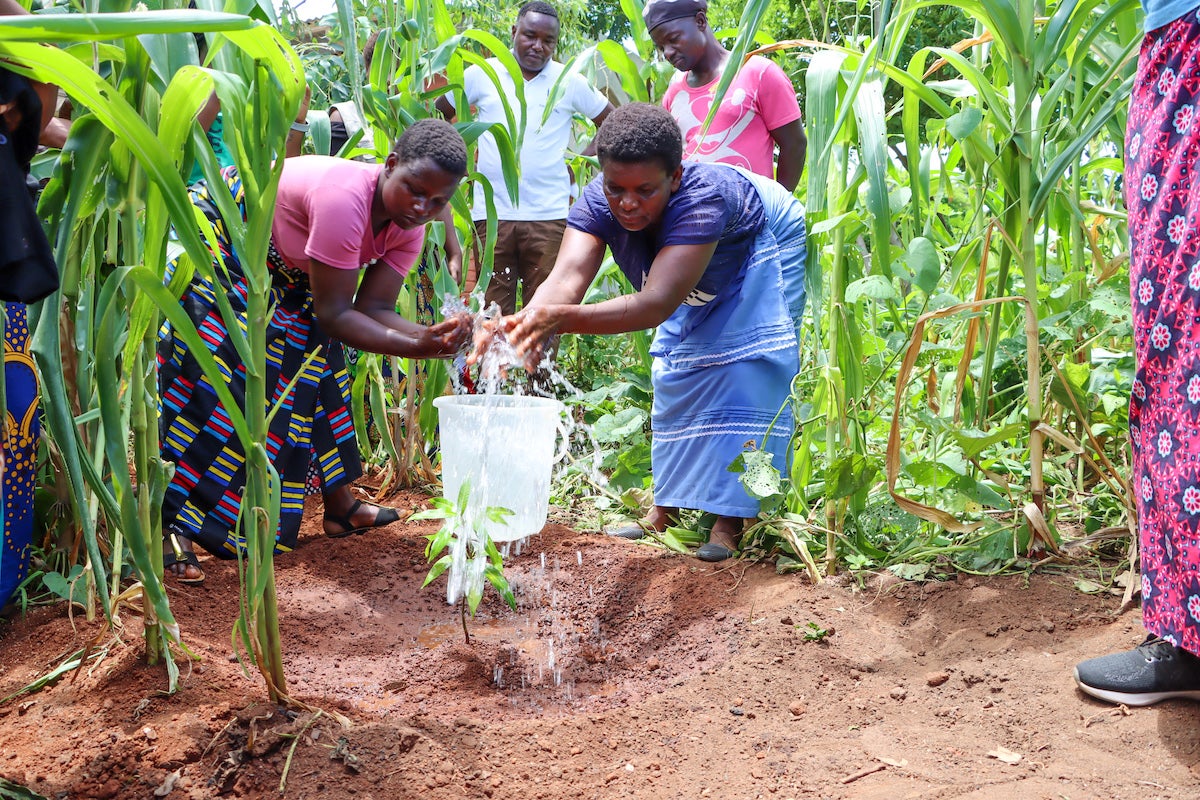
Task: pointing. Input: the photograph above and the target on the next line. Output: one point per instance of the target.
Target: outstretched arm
(364, 315)
(555, 308)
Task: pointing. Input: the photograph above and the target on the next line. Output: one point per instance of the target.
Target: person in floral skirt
(1162, 195)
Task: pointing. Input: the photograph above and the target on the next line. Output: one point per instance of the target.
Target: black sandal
(384, 516)
(174, 554)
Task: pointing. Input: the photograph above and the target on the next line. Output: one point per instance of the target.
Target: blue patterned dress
(725, 359)
(19, 439)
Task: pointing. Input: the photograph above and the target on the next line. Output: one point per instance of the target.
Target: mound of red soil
(625, 672)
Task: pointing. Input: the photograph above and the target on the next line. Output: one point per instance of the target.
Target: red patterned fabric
(1162, 194)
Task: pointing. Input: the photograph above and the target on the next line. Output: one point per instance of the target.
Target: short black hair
(639, 132)
(434, 139)
(537, 7)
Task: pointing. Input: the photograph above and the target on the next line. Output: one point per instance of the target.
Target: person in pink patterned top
(758, 113)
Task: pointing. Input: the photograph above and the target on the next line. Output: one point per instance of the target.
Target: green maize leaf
(149, 282)
(116, 114)
(752, 15)
(632, 9)
(617, 59)
(107, 344)
(868, 112)
(320, 132)
(98, 27)
(99, 52)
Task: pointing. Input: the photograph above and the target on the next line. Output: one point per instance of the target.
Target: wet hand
(451, 333)
(529, 329)
(485, 335)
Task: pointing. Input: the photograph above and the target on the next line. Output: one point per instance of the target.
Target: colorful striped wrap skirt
(20, 442)
(312, 431)
(1162, 195)
(722, 372)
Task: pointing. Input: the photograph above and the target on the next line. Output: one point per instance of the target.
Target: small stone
(786, 621)
(149, 733)
(936, 678)
(898, 693)
(653, 664)
(629, 767)
(737, 712)
(797, 708)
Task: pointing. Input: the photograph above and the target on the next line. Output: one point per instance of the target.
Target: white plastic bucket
(504, 446)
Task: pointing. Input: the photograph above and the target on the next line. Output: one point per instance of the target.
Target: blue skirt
(20, 441)
(723, 371)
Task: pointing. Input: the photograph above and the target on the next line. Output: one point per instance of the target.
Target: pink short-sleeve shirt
(323, 212)
(760, 99)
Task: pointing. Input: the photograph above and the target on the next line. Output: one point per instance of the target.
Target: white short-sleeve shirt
(543, 192)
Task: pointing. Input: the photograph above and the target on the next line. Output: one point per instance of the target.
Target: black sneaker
(1154, 670)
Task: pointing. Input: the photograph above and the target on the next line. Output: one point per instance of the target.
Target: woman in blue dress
(716, 255)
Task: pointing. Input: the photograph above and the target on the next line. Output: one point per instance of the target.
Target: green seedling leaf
(1073, 392)
(618, 427)
(973, 441)
(69, 587)
(500, 584)
(874, 287)
(980, 493)
(814, 633)
(850, 474)
(440, 566)
(924, 264)
(498, 514)
(964, 123)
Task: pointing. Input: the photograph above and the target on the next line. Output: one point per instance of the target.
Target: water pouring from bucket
(504, 447)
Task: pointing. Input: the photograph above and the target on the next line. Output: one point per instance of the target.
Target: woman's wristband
(300, 127)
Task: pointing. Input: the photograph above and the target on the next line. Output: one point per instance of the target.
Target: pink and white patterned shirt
(760, 99)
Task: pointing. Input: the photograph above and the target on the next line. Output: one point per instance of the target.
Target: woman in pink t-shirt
(344, 236)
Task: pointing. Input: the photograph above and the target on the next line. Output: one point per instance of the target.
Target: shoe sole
(1134, 698)
(631, 532)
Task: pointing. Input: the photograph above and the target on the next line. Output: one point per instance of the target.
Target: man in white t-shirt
(529, 231)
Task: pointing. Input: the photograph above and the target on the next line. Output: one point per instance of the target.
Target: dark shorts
(525, 254)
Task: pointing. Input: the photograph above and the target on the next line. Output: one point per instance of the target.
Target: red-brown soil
(672, 679)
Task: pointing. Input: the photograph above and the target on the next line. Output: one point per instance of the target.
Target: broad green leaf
(964, 123)
(924, 264)
(874, 287)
